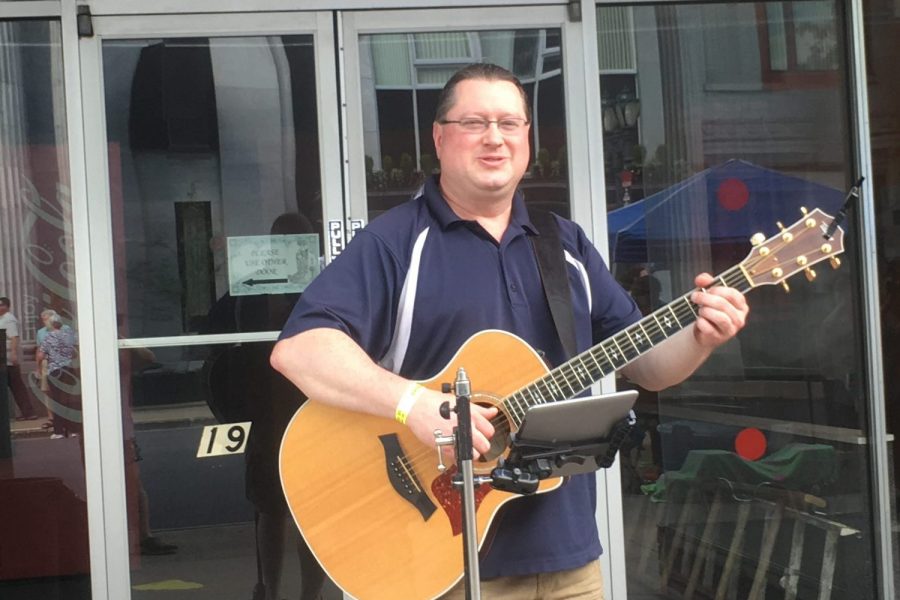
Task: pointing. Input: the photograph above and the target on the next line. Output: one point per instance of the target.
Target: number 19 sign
(226, 438)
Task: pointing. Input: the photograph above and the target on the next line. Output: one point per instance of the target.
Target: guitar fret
(674, 315)
(608, 359)
(604, 370)
(597, 364)
(733, 277)
(523, 403)
(518, 407)
(542, 390)
(724, 283)
(535, 392)
(516, 417)
(640, 340)
(554, 376)
(570, 375)
(689, 305)
(624, 337)
(611, 354)
(554, 387)
(592, 368)
(565, 379)
(740, 278)
(582, 373)
(659, 327)
(526, 392)
(641, 325)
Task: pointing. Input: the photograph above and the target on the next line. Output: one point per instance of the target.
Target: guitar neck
(579, 373)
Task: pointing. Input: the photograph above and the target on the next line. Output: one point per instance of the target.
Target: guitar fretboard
(579, 373)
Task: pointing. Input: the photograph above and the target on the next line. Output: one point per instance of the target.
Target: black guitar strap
(551, 261)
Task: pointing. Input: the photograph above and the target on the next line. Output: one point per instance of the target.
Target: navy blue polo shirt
(418, 281)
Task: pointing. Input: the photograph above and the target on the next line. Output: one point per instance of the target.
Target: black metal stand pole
(463, 434)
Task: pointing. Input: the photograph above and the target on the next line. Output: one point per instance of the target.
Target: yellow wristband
(407, 400)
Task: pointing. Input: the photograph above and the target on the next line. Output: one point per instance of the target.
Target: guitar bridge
(402, 477)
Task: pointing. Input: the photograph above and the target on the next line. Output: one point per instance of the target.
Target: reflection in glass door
(406, 72)
(43, 493)
(750, 479)
(398, 61)
(218, 206)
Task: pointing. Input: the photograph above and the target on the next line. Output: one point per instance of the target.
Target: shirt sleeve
(357, 294)
(12, 328)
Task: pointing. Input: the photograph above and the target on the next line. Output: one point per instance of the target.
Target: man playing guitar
(456, 259)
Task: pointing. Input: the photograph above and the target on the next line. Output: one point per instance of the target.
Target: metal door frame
(107, 504)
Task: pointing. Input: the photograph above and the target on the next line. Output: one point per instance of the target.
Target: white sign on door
(272, 264)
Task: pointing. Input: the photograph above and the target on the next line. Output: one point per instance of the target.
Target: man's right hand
(425, 417)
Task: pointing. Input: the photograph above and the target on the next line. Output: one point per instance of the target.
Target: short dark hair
(4, 301)
(483, 71)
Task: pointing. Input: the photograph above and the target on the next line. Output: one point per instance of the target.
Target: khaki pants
(583, 583)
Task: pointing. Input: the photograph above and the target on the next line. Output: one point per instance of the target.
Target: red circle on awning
(750, 443)
(732, 194)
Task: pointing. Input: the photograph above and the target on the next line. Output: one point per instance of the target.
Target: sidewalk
(174, 415)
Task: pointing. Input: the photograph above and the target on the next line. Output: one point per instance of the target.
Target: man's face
(3, 309)
(488, 163)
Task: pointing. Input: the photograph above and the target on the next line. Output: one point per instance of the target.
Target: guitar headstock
(796, 248)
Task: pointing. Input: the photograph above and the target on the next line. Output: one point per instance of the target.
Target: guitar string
(681, 313)
(731, 277)
(410, 475)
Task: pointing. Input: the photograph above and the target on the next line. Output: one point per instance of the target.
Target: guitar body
(368, 497)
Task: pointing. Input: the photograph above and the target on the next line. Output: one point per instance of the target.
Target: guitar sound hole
(499, 443)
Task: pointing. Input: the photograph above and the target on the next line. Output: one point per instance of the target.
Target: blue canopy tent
(727, 203)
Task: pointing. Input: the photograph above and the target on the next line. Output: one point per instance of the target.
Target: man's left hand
(722, 312)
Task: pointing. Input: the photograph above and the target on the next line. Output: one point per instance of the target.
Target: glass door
(44, 487)
(753, 478)
(397, 62)
(212, 184)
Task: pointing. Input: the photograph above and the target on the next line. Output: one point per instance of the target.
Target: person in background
(58, 349)
(10, 323)
(42, 366)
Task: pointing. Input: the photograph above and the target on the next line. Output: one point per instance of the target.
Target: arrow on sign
(258, 281)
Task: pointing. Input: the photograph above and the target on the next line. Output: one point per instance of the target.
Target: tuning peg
(810, 274)
(757, 239)
(787, 288)
(803, 210)
(835, 262)
(786, 235)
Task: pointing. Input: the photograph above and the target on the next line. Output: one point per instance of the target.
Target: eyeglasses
(508, 125)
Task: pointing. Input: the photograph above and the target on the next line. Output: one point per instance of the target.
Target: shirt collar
(445, 216)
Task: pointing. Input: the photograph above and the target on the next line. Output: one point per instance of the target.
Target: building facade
(173, 176)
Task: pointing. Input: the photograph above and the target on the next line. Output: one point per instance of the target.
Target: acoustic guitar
(367, 495)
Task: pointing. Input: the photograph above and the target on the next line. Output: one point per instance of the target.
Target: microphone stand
(464, 480)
